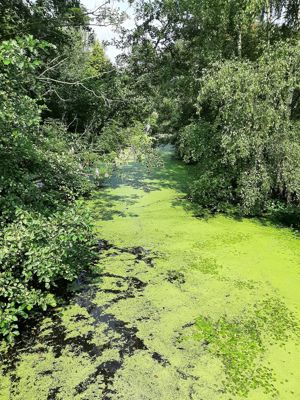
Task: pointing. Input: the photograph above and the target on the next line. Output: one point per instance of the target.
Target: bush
(211, 191)
(41, 176)
(36, 253)
(44, 239)
(194, 142)
(38, 168)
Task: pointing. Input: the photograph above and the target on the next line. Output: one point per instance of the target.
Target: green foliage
(97, 60)
(137, 141)
(247, 137)
(80, 86)
(37, 167)
(43, 238)
(212, 191)
(36, 253)
(49, 20)
(176, 41)
(241, 56)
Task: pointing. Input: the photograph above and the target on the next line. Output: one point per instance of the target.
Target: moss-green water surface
(178, 307)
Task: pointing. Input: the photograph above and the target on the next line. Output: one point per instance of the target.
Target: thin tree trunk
(239, 45)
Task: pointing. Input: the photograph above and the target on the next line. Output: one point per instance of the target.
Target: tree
(48, 20)
(247, 136)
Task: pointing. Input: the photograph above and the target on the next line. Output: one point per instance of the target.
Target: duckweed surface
(178, 307)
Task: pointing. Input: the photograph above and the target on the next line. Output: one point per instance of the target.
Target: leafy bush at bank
(246, 140)
(44, 239)
(37, 254)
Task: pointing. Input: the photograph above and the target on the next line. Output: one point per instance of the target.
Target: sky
(106, 33)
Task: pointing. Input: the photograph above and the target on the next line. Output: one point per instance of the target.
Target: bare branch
(73, 120)
(76, 83)
(55, 92)
(51, 67)
(98, 8)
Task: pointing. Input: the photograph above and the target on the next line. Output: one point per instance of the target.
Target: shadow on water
(289, 217)
(104, 204)
(177, 175)
(172, 175)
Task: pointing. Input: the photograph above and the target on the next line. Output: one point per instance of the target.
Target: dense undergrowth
(45, 237)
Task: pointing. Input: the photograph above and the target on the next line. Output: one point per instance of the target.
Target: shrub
(36, 253)
(194, 142)
(211, 191)
(38, 168)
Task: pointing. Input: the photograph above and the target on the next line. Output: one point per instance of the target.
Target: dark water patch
(53, 392)
(205, 343)
(120, 336)
(83, 344)
(57, 338)
(107, 370)
(126, 342)
(178, 342)
(85, 278)
(140, 319)
(58, 341)
(160, 359)
(80, 317)
(185, 376)
(46, 373)
(112, 291)
(136, 283)
(189, 325)
(109, 275)
(175, 277)
(104, 245)
(26, 344)
(140, 253)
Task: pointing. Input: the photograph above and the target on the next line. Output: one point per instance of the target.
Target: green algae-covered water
(178, 307)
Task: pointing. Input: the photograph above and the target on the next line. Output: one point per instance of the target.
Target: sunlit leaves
(247, 132)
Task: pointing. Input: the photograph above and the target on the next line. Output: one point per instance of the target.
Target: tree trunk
(239, 45)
